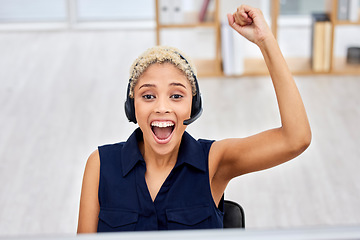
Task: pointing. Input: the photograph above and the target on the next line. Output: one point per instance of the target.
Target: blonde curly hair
(161, 54)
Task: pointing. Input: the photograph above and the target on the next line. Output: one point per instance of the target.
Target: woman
(162, 178)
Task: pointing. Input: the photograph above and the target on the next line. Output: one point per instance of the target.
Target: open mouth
(162, 129)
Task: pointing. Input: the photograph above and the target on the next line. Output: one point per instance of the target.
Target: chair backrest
(234, 216)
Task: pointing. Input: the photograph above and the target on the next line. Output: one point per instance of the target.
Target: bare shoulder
(93, 160)
(92, 171)
(89, 204)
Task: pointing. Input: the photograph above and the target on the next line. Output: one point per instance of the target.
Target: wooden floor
(62, 95)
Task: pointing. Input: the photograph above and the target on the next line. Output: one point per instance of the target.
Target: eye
(148, 96)
(176, 96)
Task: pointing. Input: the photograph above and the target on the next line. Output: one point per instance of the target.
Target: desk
(322, 233)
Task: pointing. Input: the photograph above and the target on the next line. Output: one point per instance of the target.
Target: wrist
(266, 41)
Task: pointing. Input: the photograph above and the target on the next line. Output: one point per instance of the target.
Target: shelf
(338, 22)
(341, 67)
(190, 25)
(297, 66)
(257, 67)
(207, 67)
(303, 66)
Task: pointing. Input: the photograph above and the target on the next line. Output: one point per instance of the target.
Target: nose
(162, 106)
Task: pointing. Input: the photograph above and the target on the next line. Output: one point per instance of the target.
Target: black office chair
(234, 216)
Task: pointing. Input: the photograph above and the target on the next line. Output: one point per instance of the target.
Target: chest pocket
(111, 220)
(188, 218)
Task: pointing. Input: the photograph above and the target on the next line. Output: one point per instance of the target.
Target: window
(32, 11)
(95, 10)
(70, 13)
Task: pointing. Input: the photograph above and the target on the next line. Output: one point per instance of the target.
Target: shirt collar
(131, 154)
(190, 152)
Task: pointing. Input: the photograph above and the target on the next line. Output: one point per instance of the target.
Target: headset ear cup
(130, 106)
(130, 110)
(196, 107)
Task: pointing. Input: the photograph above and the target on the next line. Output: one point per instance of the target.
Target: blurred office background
(63, 75)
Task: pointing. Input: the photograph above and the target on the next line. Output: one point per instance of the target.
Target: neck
(159, 160)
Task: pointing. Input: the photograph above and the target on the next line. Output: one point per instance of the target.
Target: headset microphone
(193, 118)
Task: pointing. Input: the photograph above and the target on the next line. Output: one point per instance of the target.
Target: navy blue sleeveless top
(184, 201)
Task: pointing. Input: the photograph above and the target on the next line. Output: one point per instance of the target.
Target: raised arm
(233, 157)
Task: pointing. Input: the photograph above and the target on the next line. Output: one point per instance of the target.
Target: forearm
(295, 125)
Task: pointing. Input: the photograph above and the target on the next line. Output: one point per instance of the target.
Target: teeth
(162, 124)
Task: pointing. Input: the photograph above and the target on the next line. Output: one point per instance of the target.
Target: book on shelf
(226, 49)
(177, 11)
(343, 10)
(171, 12)
(232, 50)
(184, 11)
(164, 11)
(203, 11)
(348, 10)
(327, 46)
(354, 10)
(321, 42)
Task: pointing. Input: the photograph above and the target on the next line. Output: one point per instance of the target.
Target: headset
(196, 106)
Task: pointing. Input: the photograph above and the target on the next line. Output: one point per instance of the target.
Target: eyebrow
(177, 84)
(154, 86)
(147, 85)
